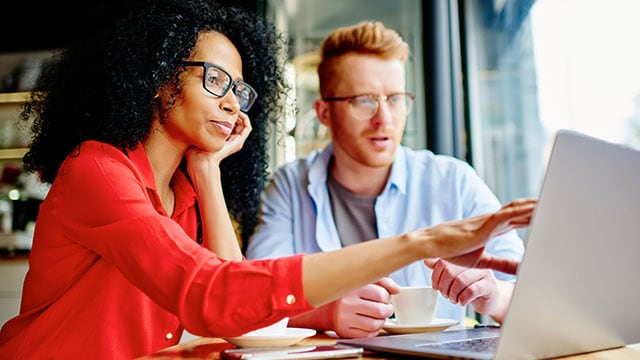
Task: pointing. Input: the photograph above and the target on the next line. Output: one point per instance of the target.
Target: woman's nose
(229, 103)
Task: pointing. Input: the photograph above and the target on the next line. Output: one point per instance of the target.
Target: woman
(139, 130)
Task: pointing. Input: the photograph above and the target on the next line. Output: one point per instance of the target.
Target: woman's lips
(224, 127)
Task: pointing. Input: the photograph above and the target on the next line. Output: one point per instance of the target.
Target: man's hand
(478, 287)
(363, 312)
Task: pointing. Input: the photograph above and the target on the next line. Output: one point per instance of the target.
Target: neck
(164, 158)
(358, 178)
(164, 161)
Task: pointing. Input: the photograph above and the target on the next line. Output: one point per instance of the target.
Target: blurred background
(494, 80)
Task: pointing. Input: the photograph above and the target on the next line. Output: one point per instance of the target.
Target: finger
(431, 262)
(516, 209)
(245, 122)
(349, 322)
(519, 210)
(355, 332)
(508, 266)
(513, 213)
(519, 223)
(349, 309)
(527, 201)
(465, 281)
(374, 292)
(389, 285)
(450, 276)
(439, 280)
(509, 218)
(470, 259)
(375, 311)
(472, 292)
(436, 275)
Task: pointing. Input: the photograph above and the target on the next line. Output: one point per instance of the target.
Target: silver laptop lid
(577, 288)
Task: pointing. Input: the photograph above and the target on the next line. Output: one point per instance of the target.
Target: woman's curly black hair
(104, 88)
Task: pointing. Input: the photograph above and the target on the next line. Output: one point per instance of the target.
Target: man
(365, 185)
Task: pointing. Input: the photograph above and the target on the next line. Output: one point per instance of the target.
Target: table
(210, 348)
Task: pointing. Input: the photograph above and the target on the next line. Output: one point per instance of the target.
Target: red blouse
(112, 276)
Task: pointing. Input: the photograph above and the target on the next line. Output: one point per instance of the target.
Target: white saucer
(436, 325)
(290, 337)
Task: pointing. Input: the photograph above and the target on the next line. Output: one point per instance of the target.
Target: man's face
(370, 142)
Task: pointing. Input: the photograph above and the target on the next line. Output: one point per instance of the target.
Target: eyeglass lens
(218, 82)
(366, 106)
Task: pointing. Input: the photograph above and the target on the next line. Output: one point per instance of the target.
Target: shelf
(14, 97)
(13, 153)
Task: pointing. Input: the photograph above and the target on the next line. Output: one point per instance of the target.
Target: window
(533, 67)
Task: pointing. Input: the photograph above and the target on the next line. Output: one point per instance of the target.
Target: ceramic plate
(290, 337)
(436, 325)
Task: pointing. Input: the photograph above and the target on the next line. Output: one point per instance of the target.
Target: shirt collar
(139, 158)
(319, 167)
(397, 179)
(185, 193)
(399, 172)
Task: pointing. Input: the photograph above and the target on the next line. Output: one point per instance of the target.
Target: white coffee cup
(415, 305)
(275, 329)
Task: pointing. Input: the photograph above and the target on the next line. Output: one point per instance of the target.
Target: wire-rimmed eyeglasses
(364, 107)
(218, 81)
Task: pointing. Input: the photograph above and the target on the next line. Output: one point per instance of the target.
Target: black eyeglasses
(364, 107)
(218, 81)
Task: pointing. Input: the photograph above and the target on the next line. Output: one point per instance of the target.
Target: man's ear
(322, 112)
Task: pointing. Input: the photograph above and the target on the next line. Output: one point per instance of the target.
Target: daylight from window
(588, 67)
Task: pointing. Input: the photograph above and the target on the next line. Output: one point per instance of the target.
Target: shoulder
(98, 174)
(295, 169)
(93, 153)
(99, 164)
(301, 169)
(427, 161)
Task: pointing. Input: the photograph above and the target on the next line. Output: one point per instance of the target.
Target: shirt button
(169, 336)
(291, 299)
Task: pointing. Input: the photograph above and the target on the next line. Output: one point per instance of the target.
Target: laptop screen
(577, 285)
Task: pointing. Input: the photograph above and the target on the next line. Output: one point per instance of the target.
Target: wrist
(419, 243)
(321, 318)
(204, 181)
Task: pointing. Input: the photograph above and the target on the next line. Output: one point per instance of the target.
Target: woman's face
(199, 118)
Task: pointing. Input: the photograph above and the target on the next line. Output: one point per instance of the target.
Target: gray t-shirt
(353, 214)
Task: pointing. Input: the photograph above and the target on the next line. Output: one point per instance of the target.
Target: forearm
(217, 228)
(331, 275)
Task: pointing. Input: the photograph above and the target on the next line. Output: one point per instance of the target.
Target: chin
(209, 147)
(379, 161)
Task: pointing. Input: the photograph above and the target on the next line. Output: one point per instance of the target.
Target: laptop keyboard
(473, 345)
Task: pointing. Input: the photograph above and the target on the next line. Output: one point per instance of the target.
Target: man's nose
(383, 116)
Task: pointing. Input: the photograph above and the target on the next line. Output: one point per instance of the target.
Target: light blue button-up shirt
(423, 190)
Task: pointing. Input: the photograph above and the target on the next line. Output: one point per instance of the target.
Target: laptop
(577, 289)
